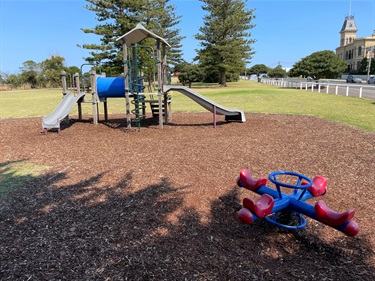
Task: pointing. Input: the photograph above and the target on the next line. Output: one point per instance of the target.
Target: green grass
(15, 174)
(249, 96)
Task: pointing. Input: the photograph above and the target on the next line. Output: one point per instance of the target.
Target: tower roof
(349, 24)
(138, 34)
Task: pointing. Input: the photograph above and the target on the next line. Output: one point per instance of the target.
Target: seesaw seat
(318, 187)
(245, 216)
(262, 207)
(246, 180)
(330, 217)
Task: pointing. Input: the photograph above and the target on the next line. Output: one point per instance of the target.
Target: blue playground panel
(273, 202)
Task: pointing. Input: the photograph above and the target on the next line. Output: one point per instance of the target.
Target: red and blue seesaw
(273, 202)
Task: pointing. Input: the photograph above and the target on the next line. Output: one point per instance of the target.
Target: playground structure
(286, 210)
(131, 86)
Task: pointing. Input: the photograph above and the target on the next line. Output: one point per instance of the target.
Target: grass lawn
(13, 175)
(250, 96)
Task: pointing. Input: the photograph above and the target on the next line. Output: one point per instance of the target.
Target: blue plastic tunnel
(112, 87)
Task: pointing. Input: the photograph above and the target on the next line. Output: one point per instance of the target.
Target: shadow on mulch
(120, 123)
(87, 231)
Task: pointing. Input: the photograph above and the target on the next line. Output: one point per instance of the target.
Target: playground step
(155, 109)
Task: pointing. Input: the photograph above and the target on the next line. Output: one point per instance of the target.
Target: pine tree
(117, 17)
(225, 38)
(159, 17)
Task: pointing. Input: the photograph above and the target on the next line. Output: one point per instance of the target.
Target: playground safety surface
(161, 204)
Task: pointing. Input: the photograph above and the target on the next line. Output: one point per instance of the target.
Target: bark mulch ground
(161, 204)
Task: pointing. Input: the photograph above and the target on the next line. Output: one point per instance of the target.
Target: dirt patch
(162, 204)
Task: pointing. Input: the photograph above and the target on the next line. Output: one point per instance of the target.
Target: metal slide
(61, 111)
(230, 114)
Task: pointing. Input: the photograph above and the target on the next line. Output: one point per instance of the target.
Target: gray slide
(61, 111)
(230, 114)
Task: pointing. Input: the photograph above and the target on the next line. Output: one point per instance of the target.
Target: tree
(159, 17)
(322, 64)
(277, 72)
(225, 38)
(258, 69)
(43, 74)
(14, 80)
(363, 68)
(51, 69)
(3, 77)
(117, 17)
(179, 66)
(190, 73)
(29, 73)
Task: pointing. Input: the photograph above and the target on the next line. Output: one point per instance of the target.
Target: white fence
(346, 89)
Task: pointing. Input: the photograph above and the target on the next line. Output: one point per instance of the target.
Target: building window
(359, 51)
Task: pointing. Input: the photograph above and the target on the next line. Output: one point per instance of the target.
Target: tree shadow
(90, 230)
(150, 122)
(209, 124)
(122, 123)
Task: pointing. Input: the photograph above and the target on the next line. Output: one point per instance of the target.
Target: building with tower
(352, 49)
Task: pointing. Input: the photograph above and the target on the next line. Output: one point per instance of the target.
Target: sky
(285, 31)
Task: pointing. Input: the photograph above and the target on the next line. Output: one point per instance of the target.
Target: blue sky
(286, 31)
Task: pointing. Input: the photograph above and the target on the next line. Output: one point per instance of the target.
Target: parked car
(371, 80)
(353, 79)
